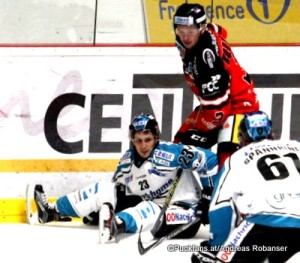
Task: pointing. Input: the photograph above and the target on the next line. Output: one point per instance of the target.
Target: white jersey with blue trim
(153, 178)
(260, 183)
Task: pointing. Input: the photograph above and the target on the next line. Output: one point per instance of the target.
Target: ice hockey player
(139, 186)
(224, 89)
(255, 208)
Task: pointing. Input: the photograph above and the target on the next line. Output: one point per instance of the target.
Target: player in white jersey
(140, 185)
(255, 208)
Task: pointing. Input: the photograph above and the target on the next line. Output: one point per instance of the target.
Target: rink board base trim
(55, 165)
(14, 210)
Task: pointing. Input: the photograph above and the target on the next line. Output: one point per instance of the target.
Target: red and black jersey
(214, 75)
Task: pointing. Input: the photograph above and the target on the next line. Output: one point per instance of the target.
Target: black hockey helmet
(143, 122)
(189, 14)
(255, 126)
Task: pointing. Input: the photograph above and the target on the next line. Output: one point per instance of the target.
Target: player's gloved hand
(199, 138)
(204, 255)
(203, 206)
(92, 219)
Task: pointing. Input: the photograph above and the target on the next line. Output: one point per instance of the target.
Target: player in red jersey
(225, 90)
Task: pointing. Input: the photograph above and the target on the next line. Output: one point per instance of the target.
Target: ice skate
(46, 211)
(109, 225)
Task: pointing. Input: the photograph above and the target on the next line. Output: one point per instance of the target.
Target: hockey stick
(143, 250)
(160, 218)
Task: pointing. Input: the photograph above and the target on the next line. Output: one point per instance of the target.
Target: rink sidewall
(101, 89)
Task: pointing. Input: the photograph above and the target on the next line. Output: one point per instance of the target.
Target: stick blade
(141, 248)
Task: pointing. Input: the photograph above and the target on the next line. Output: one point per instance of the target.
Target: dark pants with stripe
(275, 244)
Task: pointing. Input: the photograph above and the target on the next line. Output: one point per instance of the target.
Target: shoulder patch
(126, 158)
(164, 155)
(126, 155)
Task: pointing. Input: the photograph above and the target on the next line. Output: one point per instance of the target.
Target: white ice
(77, 243)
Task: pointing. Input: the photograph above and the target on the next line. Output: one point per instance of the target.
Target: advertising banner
(247, 22)
(65, 112)
(70, 113)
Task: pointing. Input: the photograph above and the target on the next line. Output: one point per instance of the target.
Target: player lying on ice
(139, 187)
(255, 207)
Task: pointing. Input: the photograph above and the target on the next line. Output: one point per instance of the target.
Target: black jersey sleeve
(209, 72)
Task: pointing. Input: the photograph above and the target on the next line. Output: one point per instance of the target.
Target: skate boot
(46, 210)
(110, 227)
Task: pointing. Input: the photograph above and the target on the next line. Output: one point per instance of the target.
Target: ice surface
(77, 243)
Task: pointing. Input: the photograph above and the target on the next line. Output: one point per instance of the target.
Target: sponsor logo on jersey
(283, 200)
(189, 69)
(163, 162)
(126, 155)
(197, 137)
(209, 125)
(182, 217)
(125, 159)
(208, 57)
(141, 176)
(164, 155)
(128, 178)
(211, 86)
(195, 68)
(154, 171)
(158, 192)
(234, 241)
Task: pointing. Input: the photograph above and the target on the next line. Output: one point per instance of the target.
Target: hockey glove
(198, 138)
